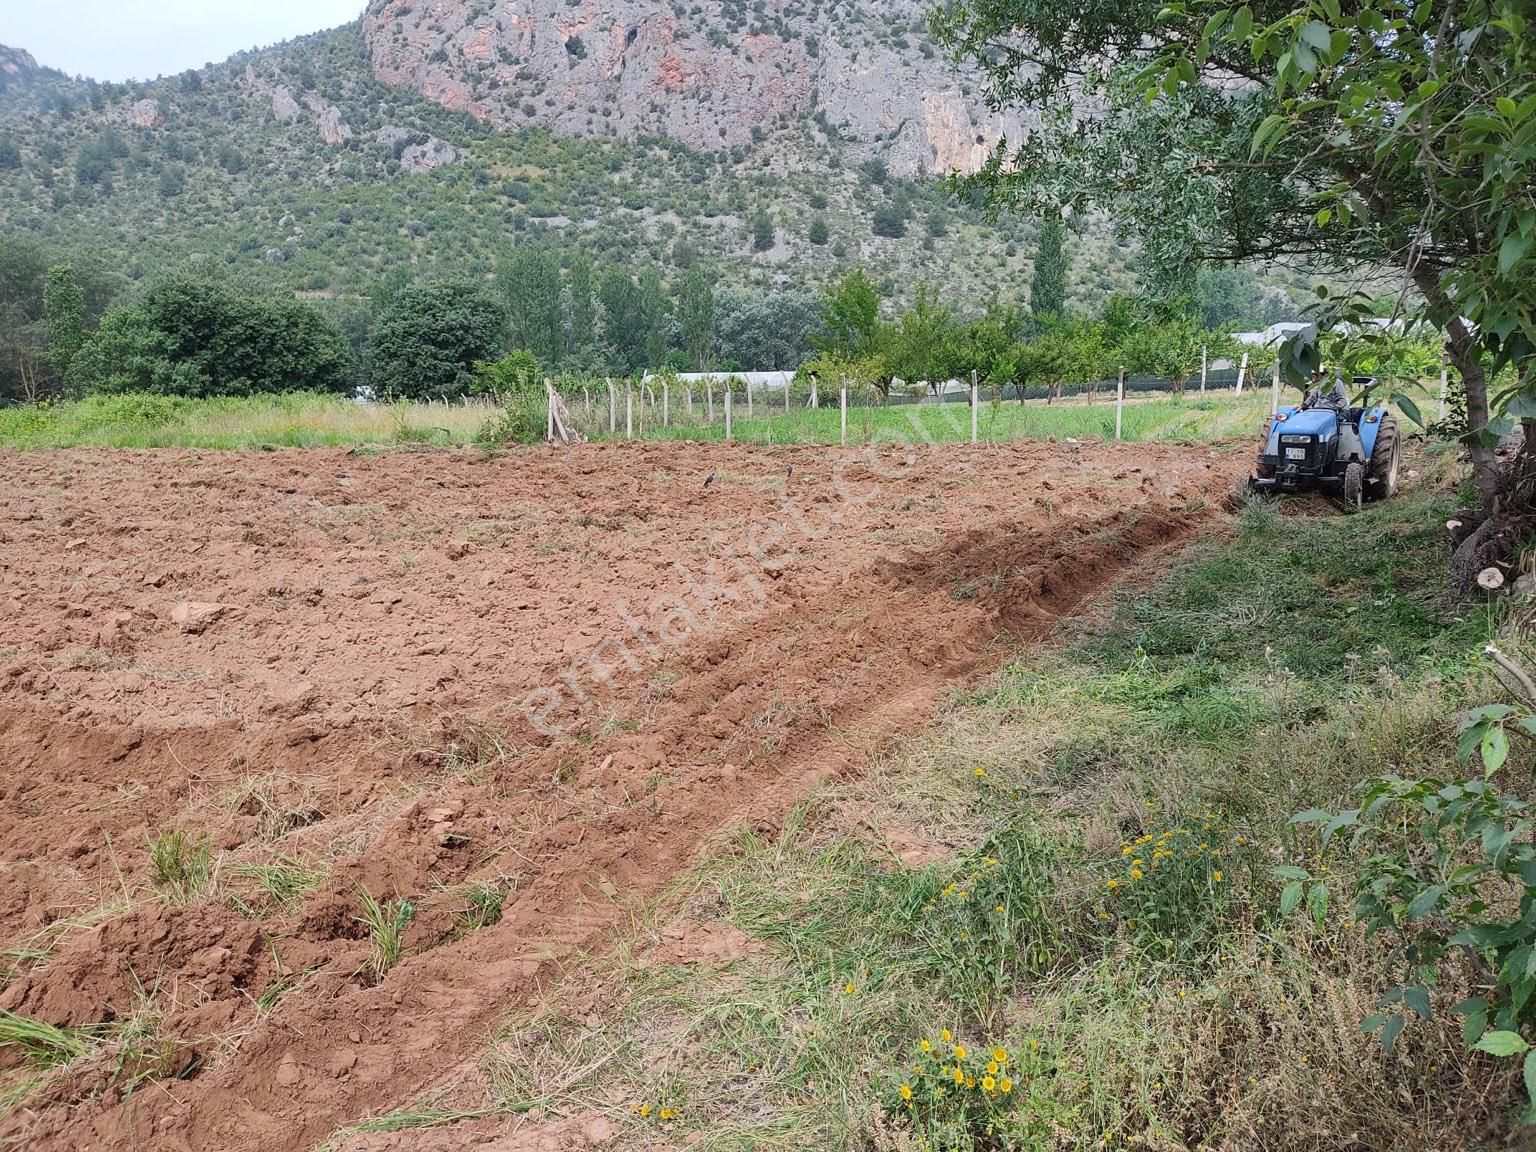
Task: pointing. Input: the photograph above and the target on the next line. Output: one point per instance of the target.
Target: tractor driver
(1336, 397)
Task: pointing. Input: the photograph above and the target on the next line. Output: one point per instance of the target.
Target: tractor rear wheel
(1381, 480)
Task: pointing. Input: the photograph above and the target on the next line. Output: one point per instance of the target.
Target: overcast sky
(142, 39)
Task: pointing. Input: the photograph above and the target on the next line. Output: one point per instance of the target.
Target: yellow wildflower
(980, 773)
(1137, 873)
(1000, 1055)
(970, 1081)
(906, 1091)
(1216, 876)
(668, 1114)
(849, 988)
(992, 1067)
(998, 909)
(988, 1084)
(959, 1051)
(1005, 1085)
(645, 1110)
(958, 1075)
(926, 1045)
(945, 1036)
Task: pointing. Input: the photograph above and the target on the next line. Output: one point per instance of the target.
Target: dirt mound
(516, 694)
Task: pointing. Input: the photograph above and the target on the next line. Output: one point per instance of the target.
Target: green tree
(696, 316)
(580, 312)
(818, 231)
(762, 230)
(1048, 289)
(655, 317)
(427, 342)
(1369, 135)
(852, 317)
(529, 282)
(624, 321)
(926, 343)
(64, 315)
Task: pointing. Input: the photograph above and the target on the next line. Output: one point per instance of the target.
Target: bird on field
(708, 480)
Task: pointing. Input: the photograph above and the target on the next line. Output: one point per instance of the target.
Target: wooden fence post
(709, 386)
(549, 404)
(1242, 371)
(815, 400)
(613, 407)
(1274, 390)
(974, 405)
(1120, 404)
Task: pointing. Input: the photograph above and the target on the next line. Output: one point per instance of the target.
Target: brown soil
(326, 656)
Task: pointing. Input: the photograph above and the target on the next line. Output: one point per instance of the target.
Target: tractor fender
(1370, 426)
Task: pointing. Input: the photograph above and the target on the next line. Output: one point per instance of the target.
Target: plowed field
(550, 677)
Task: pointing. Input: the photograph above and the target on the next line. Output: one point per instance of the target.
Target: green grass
(304, 420)
(1095, 894)
(297, 420)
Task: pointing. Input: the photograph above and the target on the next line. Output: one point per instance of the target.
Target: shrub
(427, 340)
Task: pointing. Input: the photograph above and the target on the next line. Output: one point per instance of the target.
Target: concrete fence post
(1120, 404)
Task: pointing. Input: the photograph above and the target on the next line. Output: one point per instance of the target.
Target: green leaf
(1268, 134)
(1408, 408)
(1495, 749)
(1315, 34)
(1424, 903)
(1317, 902)
(1287, 872)
(1242, 23)
(1530, 1075)
(1418, 1000)
(1290, 897)
(1501, 1044)
(1512, 251)
(1311, 816)
(1507, 108)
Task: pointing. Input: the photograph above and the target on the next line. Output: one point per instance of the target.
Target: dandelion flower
(668, 1114)
(992, 1067)
(946, 1036)
(988, 1084)
(1000, 1055)
(1216, 876)
(849, 988)
(959, 1051)
(998, 908)
(906, 1091)
(645, 1110)
(926, 1045)
(970, 1081)
(958, 1075)
(1005, 1085)
(1137, 873)
(980, 773)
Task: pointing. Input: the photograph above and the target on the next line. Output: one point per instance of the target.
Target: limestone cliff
(715, 74)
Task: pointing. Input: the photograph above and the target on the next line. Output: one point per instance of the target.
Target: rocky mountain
(712, 75)
(776, 142)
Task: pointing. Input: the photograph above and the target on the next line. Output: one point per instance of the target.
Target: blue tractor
(1325, 442)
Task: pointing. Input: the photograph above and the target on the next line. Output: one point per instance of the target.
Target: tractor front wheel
(1381, 482)
(1354, 487)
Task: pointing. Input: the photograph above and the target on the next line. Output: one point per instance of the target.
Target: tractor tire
(1354, 487)
(1264, 469)
(1381, 479)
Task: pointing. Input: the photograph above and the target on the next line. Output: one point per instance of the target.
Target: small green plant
(46, 1045)
(182, 866)
(387, 922)
(1451, 871)
(285, 881)
(483, 905)
(956, 1096)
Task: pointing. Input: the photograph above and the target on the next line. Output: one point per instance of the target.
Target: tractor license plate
(1295, 453)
